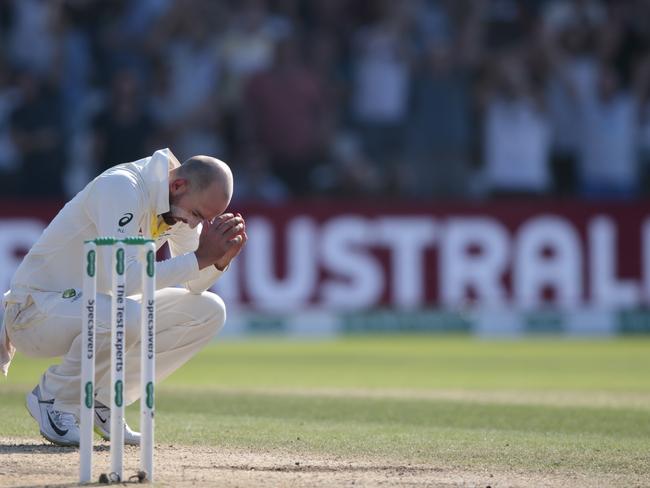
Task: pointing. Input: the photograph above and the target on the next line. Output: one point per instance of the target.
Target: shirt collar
(155, 172)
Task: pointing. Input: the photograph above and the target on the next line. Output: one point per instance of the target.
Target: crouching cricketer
(155, 197)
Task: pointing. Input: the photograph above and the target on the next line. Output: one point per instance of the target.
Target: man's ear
(178, 186)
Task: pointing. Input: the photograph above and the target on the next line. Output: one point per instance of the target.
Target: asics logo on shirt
(125, 219)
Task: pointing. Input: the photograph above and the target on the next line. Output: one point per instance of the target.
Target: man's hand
(221, 241)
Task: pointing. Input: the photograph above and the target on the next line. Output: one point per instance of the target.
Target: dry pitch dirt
(32, 463)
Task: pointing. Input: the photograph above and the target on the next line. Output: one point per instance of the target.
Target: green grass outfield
(534, 405)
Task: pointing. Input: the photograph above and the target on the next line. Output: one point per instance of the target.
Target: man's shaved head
(203, 171)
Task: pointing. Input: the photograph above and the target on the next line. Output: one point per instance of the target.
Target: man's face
(192, 206)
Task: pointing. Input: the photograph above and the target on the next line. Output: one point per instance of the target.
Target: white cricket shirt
(126, 200)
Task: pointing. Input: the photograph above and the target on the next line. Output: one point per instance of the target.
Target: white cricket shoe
(103, 426)
(58, 427)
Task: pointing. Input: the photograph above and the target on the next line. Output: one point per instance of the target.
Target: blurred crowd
(350, 98)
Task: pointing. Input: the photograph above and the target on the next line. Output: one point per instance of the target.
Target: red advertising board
(356, 256)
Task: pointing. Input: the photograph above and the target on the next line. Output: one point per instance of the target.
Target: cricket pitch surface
(34, 463)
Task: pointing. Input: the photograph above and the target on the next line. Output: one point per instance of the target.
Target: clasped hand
(221, 240)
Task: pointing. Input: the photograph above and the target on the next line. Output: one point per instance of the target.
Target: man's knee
(206, 310)
(212, 310)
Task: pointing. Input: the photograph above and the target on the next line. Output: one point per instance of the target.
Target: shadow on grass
(43, 449)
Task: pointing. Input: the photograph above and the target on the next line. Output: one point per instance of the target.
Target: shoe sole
(31, 402)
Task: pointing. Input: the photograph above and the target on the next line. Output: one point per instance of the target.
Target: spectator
(193, 71)
(246, 48)
(642, 90)
(516, 131)
(569, 38)
(8, 151)
(381, 62)
(123, 129)
(287, 114)
(441, 125)
(77, 64)
(608, 165)
(34, 43)
(36, 128)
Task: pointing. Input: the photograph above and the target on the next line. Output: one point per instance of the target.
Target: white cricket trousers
(185, 322)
